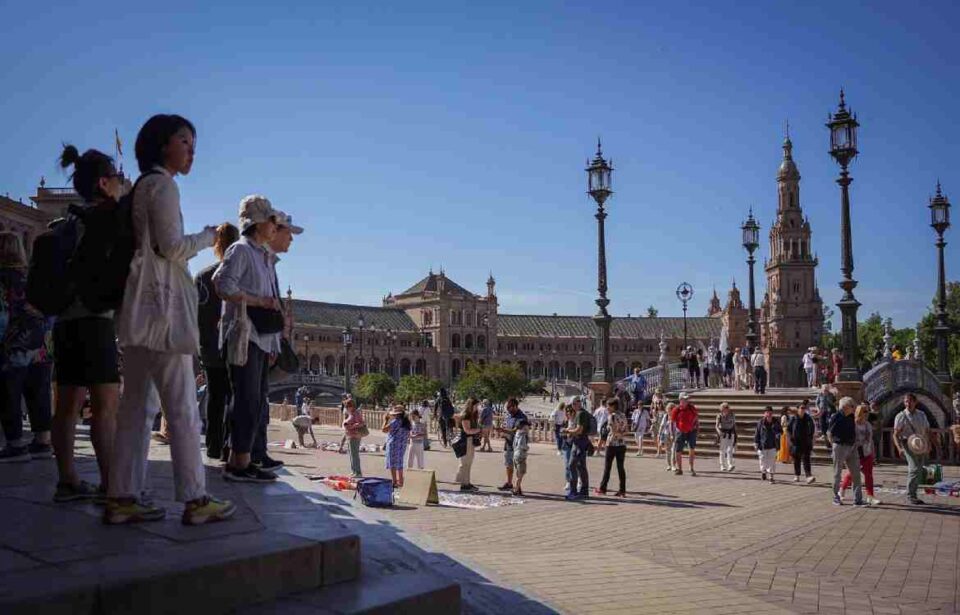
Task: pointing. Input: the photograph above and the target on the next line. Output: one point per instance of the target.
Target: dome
(788, 169)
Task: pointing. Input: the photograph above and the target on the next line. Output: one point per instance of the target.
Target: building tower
(792, 311)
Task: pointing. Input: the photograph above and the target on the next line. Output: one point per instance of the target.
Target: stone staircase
(748, 408)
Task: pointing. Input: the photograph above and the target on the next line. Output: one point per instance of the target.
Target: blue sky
(454, 134)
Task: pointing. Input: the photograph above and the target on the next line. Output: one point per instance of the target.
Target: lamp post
(751, 241)
(598, 187)
(684, 294)
(940, 221)
(843, 127)
(360, 324)
(486, 336)
(306, 343)
(389, 342)
(347, 342)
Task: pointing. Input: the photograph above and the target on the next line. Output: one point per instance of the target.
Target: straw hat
(918, 445)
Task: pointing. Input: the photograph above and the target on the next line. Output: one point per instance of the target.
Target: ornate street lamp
(684, 294)
(940, 221)
(360, 324)
(751, 241)
(347, 367)
(306, 343)
(843, 147)
(599, 187)
(389, 342)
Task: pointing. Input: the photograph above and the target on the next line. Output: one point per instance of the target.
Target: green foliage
(416, 388)
(374, 387)
(536, 386)
(928, 344)
(652, 312)
(496, 382)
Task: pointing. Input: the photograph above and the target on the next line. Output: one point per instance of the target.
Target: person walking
(865, 452)
(641, 424)
(418, 436)
(766, 439)
(801, 431)
(616, 449)
(686, 420)
(159, 336)
(726, 428)
(911, 438)
(209, 310)
(729, 370)
(443, 411)
(249, 334)
(397, 427)
(25, 375)
(354, 429)
(783, 453)
(469, 423)
(601, 415)
(810, 367)
(668, 435)
(836, 359)
(759, 364)
(842, 434)
(578, 478)
(486, 425)
(559, 422)
(637, 387)
(826, 408)
(512, 421)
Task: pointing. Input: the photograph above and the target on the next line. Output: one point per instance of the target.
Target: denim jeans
(249, 387)
(355, 456)
(847, 455)
(914, 471)
(577, 467)
(559, 436)
(31, 383)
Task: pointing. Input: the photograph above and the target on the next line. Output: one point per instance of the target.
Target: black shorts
(85, 352)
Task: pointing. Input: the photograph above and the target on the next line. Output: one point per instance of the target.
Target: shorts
(686, 439)
(85, 352)
(520, 465)
(508, 454)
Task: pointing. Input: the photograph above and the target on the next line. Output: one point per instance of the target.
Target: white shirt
(601, 414)
(808, 361)
(757, 360)
(559, 417)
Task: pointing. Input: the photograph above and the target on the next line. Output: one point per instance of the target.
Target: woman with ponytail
(157, 329)
(86, 357)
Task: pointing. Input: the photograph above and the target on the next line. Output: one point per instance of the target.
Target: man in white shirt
(911, 421)
(559, 422)
(759, 364)
(810, 366)
(603, 417)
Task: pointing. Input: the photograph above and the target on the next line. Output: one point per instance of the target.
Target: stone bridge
(321, 387)
(886, 384)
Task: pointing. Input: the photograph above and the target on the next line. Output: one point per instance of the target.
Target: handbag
(363, 431)
(160, 300)
(459, 445)
(265, 320)
(287, 359)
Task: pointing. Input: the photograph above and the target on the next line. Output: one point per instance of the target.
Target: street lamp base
(849, 388)
(600, 390)
(849, 375)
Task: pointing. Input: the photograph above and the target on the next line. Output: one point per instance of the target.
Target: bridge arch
(886, 384)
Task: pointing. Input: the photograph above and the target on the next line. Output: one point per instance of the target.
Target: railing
(895, 375)
(57, 190)
(332, 381)
(654, 378)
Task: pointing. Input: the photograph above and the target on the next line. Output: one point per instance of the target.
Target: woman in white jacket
(157, 326)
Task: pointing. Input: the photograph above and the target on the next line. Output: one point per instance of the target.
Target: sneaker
(763, 476)
(771, 479)
(249, 474)
(859, 503)
(40, 451)
(15, 454)
(917, 501)
(732, 468)
(693, 472)
(678, 472)
(119, 512)
(573, 497)
(207, 509)
(505, 487)
(872, 501)
(67, 492)
(811, 480)
(837, 501)
(796, 479)
(269, 463)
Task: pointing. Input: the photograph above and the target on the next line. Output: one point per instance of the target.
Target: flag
(116, 134)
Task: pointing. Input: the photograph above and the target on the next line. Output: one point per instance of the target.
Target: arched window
(481, 342)
(468, 341)
(455, 340)
(455, 368)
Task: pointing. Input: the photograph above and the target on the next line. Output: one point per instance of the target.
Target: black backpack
(102, 260)
(50, 283)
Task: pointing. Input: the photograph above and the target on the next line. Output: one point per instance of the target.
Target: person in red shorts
(687, 422)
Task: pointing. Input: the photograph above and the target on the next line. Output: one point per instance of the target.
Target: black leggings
(611, 453)
(798, 456)
(218, 394)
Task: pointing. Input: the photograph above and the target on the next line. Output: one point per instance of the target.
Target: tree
(374, 387)
(415, 388)
(928, 343)
(496, 382)
(652, 312)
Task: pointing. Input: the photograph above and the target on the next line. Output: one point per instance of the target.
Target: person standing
(249, 335)
(486, 425)
(616, 449)
(801, 431)
(397, 427)
(578, 479)
(826, 408)
(842, 434)
(759, 371)
(469, 421)
(726, 428)
(443, 410)
(25, 374)
(836, 359)
(865, 452)
(911, 422)
(783, 453)
(353, 429)
(766, 439)
(209, 309)
(728, 370)
(418, 436)
(686, 420)
(512, 421)
(667, 436)
(521, 446)
(601, 415)
(641, 424)
(559, 422)
(810, 367)
(153, 340)
(637, 386)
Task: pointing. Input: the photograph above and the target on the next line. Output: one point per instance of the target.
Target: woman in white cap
(157, 329)
(249, 331)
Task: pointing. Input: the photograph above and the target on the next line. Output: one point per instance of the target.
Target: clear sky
(406, 135)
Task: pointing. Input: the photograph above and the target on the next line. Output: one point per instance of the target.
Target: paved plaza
(720, 543)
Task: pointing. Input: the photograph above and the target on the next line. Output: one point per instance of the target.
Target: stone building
(437, 327)
(791, 313)
(30, 220)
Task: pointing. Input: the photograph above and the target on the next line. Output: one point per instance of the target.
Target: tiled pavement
(723, 542)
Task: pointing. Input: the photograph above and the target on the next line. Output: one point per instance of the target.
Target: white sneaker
(811, 480)
(873, 501)
(732, 468)
(796, 479)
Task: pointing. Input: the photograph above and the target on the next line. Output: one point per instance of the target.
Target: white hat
(287, 221)
(254, 209)
(574, 399)
(684, 396)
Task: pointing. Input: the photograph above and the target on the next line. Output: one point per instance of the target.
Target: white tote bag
(159, 302)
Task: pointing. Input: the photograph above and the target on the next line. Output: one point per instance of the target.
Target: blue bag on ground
(376, 492)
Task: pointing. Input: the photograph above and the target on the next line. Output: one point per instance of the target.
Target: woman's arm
(468, 428)
(386, 424)
(166, 224)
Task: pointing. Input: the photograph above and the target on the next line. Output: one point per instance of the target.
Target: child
(521, 444)
(418, 436)
(397, 427)
(667, 435)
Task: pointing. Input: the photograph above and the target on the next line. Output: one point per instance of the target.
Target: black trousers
(218, 394)
(444, 424)
(760, 379)
(802, 455)
(619, 453)
(249, 386)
